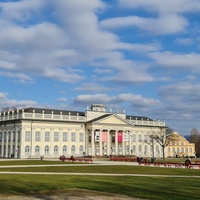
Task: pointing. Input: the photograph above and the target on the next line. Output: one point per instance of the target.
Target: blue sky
(138, 55)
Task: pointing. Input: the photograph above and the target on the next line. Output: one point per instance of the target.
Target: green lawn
(161, 188)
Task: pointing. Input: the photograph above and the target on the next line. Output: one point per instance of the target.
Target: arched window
(46, 150)
(133, 150)
(140, 149)
(190, 150)
(127, 149)
(56, 150)
(37, 150)
(169, 150)
(81, 150)
(186, 150)
(27, 151)
(182, 150)
(64, 150)
(145, 150)
(73, 150)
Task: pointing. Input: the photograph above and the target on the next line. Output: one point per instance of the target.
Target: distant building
(178, 146)
(36, 132)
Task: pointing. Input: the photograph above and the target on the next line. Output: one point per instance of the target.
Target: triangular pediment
(111, 119)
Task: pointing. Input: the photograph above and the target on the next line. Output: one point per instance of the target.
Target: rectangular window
(0, 136)
(133, 138)
(139, 138)
(81, 137)
(73, 137)
(28, 136)
(64, 137)
(19, 136)
(37, 136)
(14, 136)
(56, 136)
(46, 136)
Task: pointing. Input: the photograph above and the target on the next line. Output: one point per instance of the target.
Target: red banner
(104, 136)
(119, 136)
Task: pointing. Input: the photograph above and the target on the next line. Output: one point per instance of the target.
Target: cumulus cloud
(188, 61)
(5, 102)
(135, 100)
(162, 25)
(62, 100)
(92, 87)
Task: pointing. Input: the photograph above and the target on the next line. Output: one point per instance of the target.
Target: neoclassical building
(36, 132)
(178, 146)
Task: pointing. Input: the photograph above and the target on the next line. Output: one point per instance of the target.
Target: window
(64, 150)
(169, 150)
(127, 149)
(186, 150)
(81, 150)
(81, 137)
(47, 136)
(27, 150)
(64, 137)
(139, 138)
(133, 150)
(133, 138)
(37, 150)
(46, 150)
(73, 137)
(56, 136)
(140, 149)
(190, 150)
(37, 136)
(0, 136)
(145, 150)
(28, 136)
(56, 150)
(73, 150)
(18, 136)
(14, 136)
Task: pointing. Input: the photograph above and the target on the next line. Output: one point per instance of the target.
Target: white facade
(33, 132)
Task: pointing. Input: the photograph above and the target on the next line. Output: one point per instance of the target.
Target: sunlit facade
(36, 132)
(178, 146)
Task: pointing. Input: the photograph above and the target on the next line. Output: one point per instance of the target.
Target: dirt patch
(70, 194)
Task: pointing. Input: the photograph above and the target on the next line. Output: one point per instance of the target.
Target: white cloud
(3, 95)
(92, 87)
(19, 76)
(135, 100)
(162, 6)
(62, 100)
(184, 41)
(167, 24)
(189, 61)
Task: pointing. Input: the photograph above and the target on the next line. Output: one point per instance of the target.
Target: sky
(138, 55)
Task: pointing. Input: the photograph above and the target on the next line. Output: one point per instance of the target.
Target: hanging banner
(119, 136)
(104, 136)
(96, 136)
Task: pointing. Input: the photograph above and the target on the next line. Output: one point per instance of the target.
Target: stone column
(123, 143)
(92, 143)
(108, 142)
(16, 142)
(86, 141)
(116, 143)
(100, 142)
(11, 142)
(2, 144)
(6, 144)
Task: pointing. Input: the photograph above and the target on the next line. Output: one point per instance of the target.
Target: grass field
(165, 188)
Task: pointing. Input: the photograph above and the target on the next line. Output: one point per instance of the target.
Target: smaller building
(178, 146)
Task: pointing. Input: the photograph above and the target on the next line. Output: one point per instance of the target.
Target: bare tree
(158, 137)
(195, 138)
